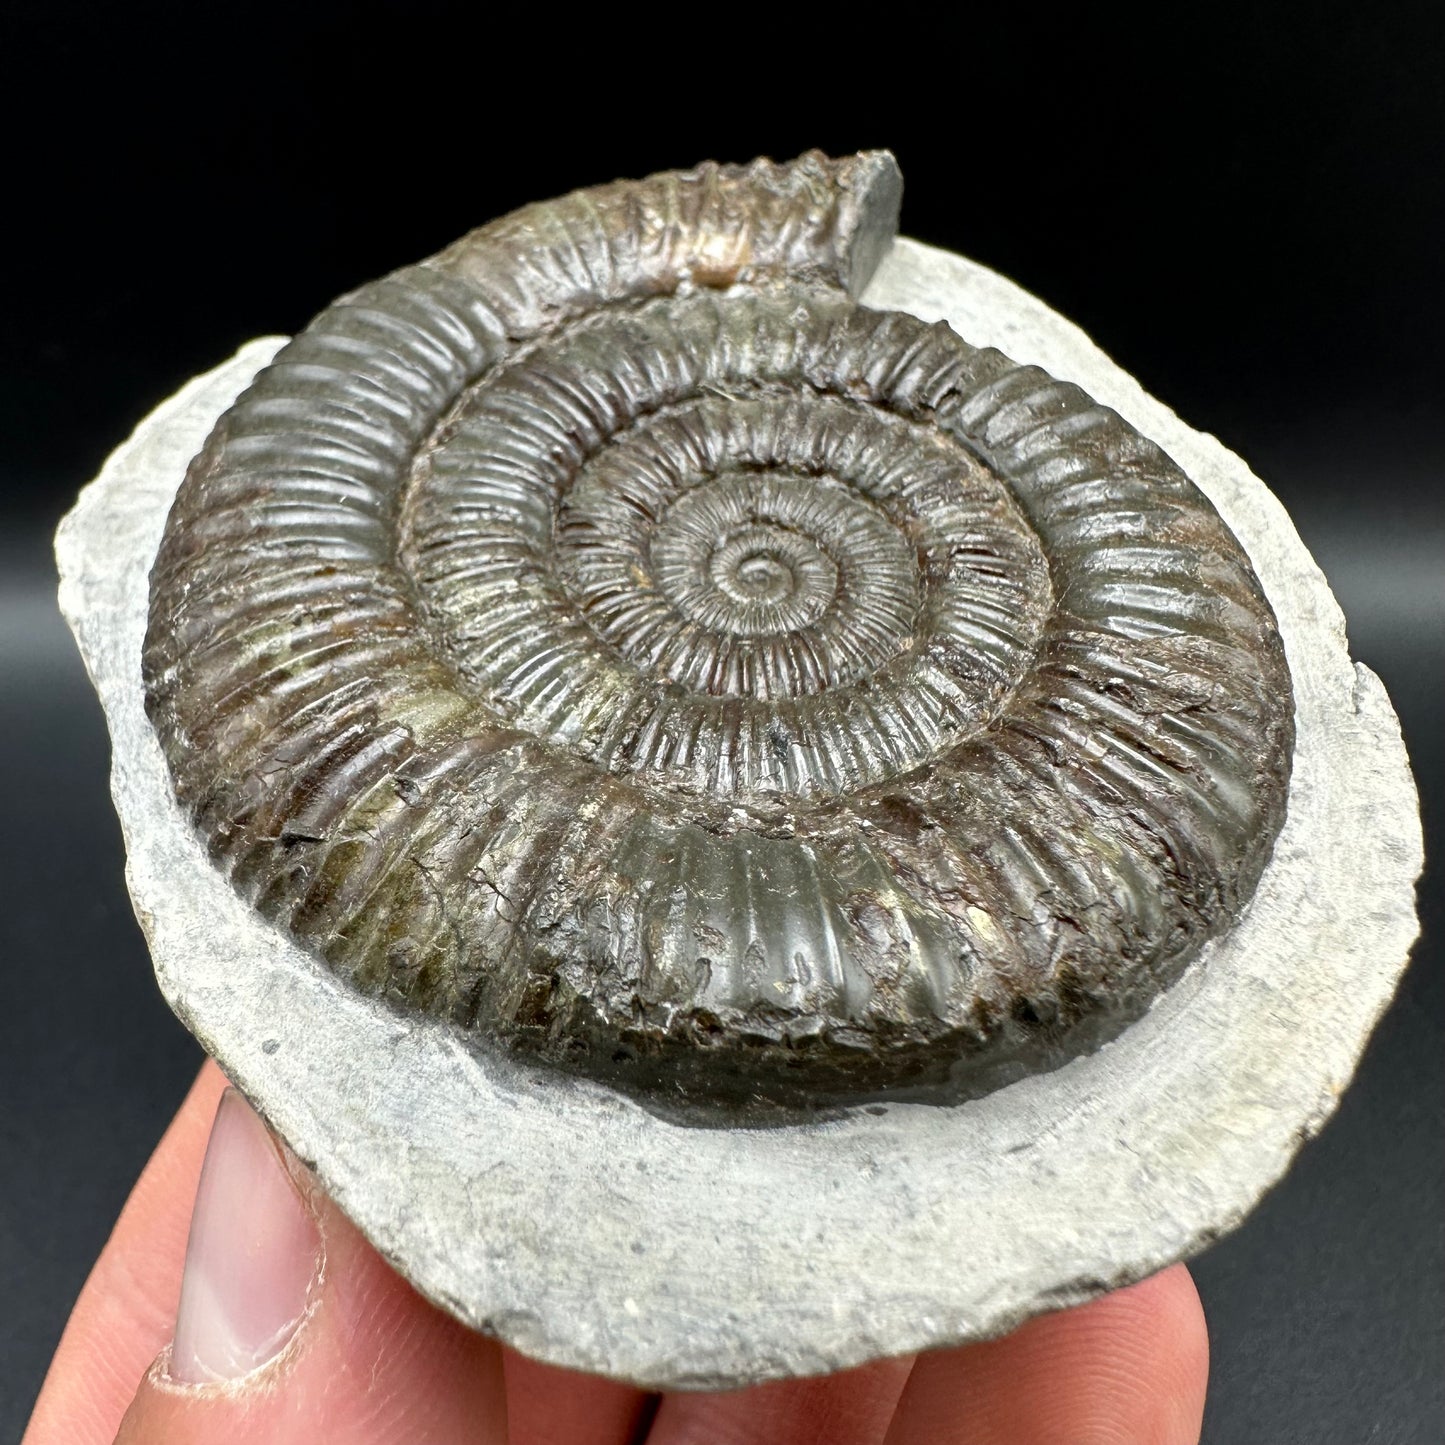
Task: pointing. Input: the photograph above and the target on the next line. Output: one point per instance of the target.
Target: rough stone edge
(1365, 760)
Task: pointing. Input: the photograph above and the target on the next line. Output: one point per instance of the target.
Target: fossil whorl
(612, 638)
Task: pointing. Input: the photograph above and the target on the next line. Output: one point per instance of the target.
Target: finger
(547, 1406)
(291, 1328)
(851, 1408)
(126, 1310)
(1127, 1369)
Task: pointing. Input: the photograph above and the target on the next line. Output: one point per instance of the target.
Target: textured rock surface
(610, 637)
(588, 1231)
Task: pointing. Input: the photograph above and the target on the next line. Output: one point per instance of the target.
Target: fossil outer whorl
(611, 637)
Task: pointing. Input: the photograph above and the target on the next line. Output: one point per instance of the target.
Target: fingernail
(252, 1257)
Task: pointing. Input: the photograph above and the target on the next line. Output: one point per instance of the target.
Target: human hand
(291, 1329)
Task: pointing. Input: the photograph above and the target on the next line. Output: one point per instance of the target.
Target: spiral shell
(612, 638)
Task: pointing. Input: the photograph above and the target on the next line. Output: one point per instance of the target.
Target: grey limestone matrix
(744, 797)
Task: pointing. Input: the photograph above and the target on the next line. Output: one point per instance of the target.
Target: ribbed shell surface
(612, 638)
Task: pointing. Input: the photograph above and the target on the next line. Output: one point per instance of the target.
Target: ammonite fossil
(613, 638)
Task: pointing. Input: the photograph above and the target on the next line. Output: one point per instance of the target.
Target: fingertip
(547, 1405)
(1137, 1360)
(1129, 1368)
(1169, 1313)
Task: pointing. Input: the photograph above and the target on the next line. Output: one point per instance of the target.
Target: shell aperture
(610, 637)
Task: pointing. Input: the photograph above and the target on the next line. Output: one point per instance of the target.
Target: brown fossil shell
(612, 638)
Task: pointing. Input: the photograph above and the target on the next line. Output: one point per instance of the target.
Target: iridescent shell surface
(611, 638)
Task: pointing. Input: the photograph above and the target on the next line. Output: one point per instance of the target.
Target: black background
(1247, 211)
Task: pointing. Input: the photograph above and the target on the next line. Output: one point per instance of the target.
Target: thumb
(291, 1328)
